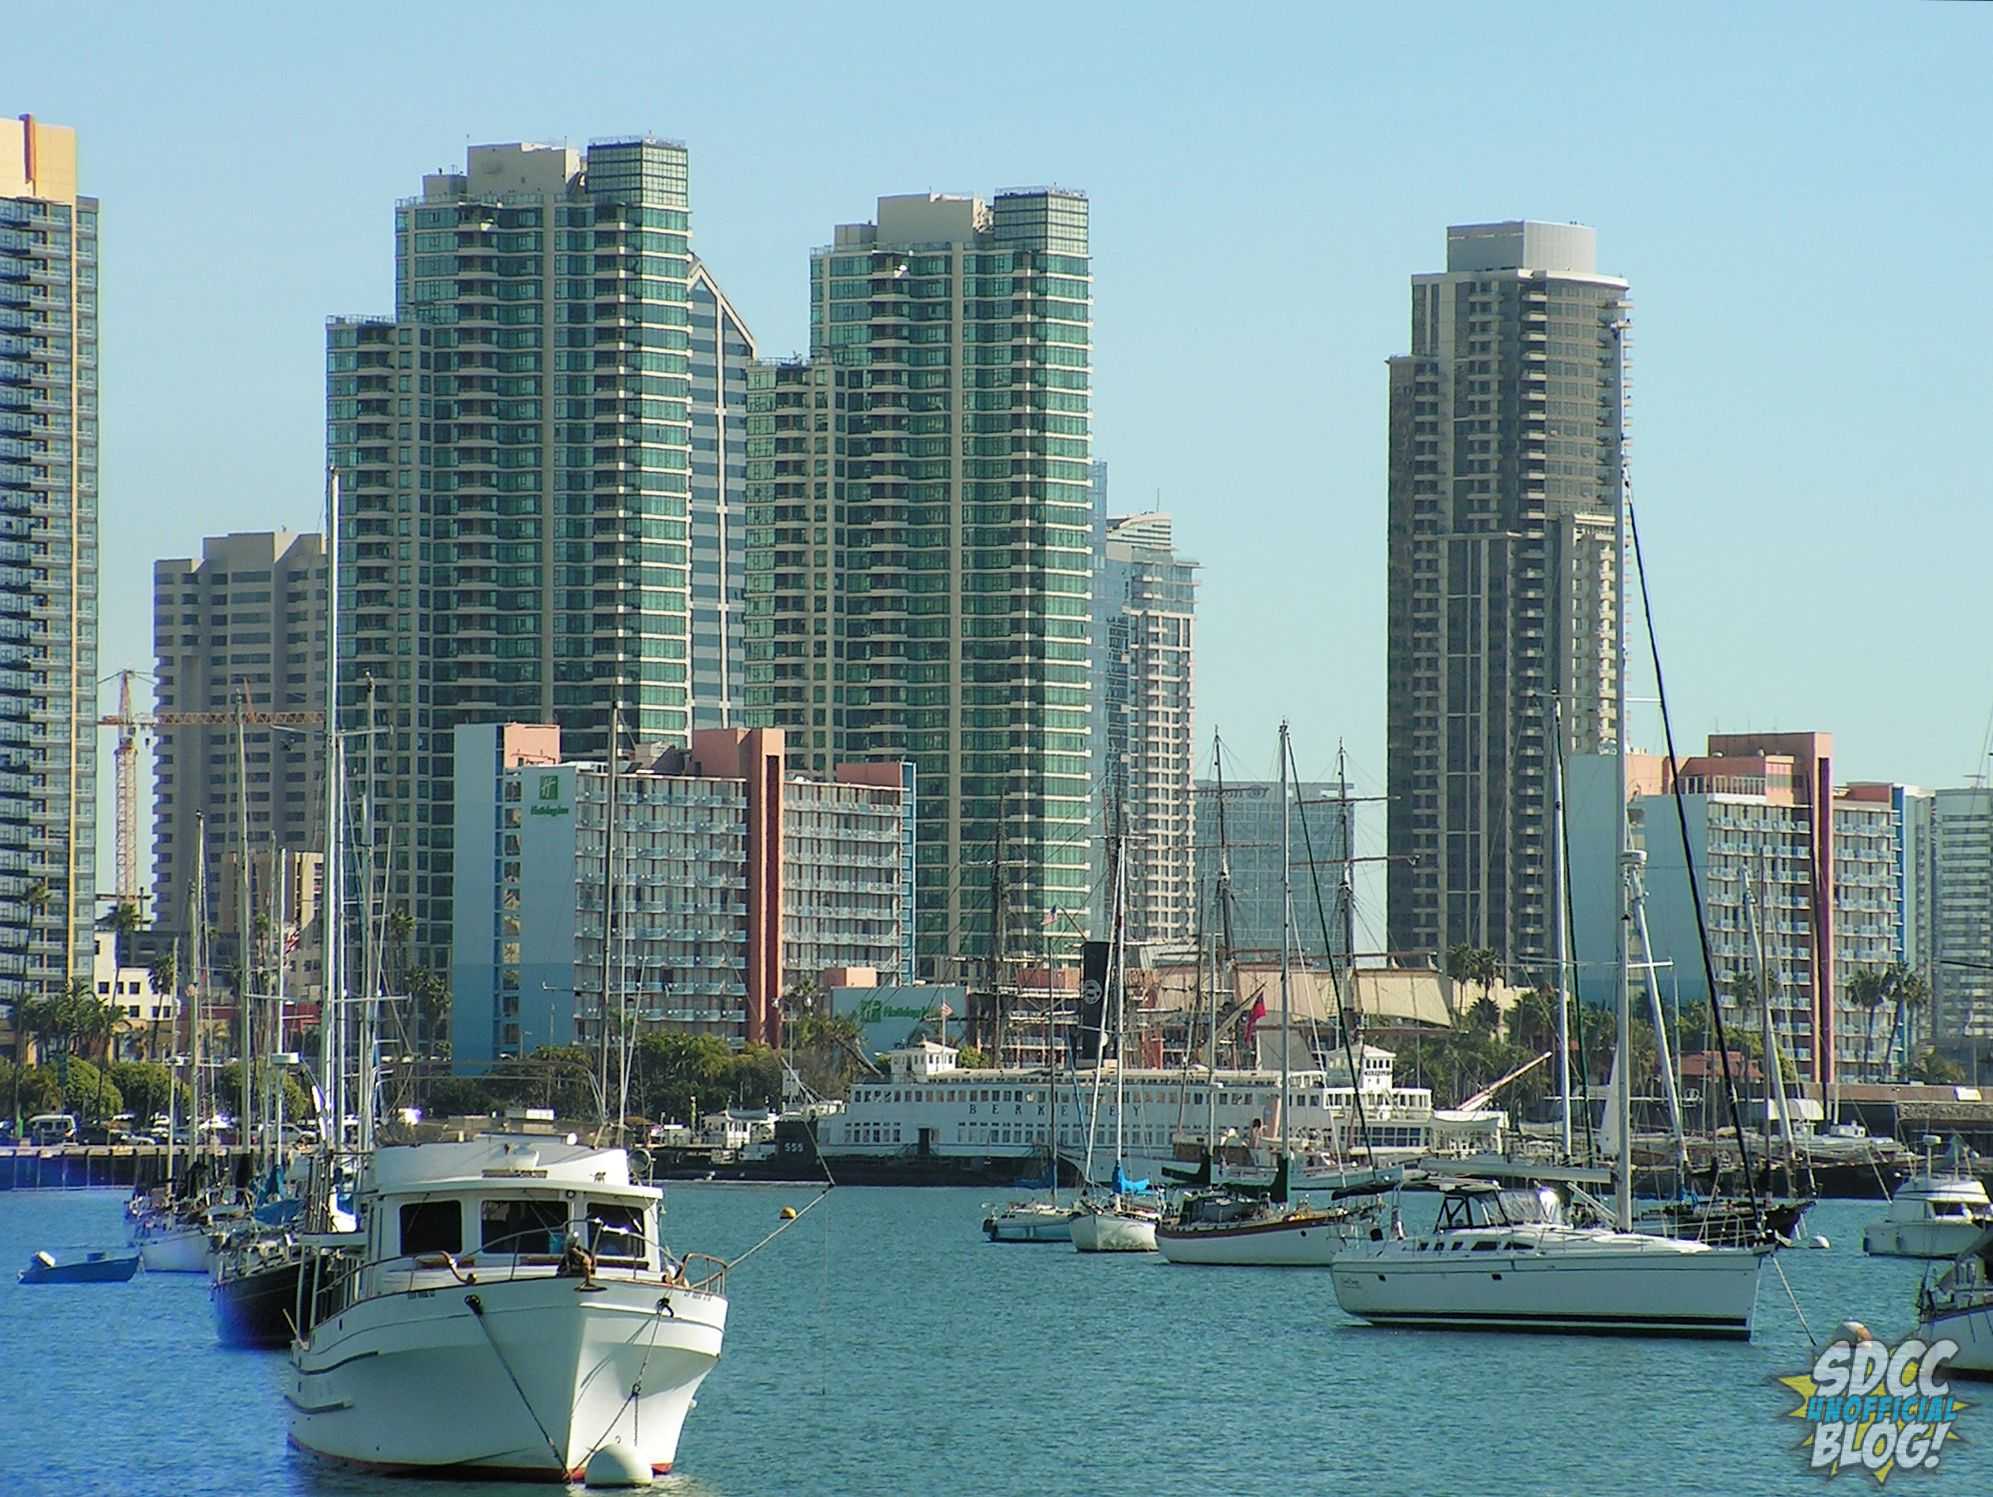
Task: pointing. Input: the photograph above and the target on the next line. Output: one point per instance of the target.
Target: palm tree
(1913, 995)
(165, 974)
(1869, 989)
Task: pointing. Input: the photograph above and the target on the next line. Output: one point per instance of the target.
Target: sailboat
(1504, 1258)
(1238, 1229)
(1124, 1219)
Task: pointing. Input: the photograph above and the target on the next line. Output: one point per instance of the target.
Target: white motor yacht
(1959, 1307)
(504, 1310)
(1933, 1216)
(1503, 1259)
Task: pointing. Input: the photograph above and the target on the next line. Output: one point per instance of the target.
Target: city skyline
(1702, 167)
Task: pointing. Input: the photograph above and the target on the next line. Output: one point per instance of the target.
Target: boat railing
(495, 1262)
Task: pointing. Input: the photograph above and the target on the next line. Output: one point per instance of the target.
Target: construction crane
(133, 726)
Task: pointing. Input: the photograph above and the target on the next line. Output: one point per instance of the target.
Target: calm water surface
(882, 1346)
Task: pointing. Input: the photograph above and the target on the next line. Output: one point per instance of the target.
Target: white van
(50, 1129)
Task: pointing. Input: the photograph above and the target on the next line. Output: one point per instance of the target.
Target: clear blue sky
(1798, 193)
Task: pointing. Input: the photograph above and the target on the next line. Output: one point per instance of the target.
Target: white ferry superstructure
(927, 1110)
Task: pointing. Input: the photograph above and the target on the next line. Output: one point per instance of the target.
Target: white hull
(1029, 1225)
(1684, 1289)
(1112, 1232)
(419, 1381)
(1922, 1239)
(180, 1249)
(1973, 1331)
(1302, 1242)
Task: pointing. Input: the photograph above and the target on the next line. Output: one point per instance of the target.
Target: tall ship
(928, 1120)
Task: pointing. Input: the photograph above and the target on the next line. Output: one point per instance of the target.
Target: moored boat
(505, 1310)
(93, 1268)
(1959, 1308)
(1934, 1215)
(1030, 1221)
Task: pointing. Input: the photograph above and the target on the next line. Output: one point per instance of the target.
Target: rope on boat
(477, 1314)
(733, 1263)
(658, 1317)
(1801, 1314)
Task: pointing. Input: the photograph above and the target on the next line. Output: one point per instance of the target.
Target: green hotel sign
(549, 803)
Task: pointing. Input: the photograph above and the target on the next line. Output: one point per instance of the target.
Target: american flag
(292, 937)
(947, 1012)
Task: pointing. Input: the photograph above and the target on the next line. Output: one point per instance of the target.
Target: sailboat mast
(198, 919)
(331, 874)
(1622, 1098)
(1560, 920)
(608, 910)
(243, 960)
(1120, 1000)
(369, 958)
(1286, 931)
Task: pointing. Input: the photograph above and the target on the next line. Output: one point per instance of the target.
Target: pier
(83, 1166)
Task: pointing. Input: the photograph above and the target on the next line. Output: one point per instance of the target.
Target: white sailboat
(1959, 1307)
(1124, 1219)
(1504, 1259)
(1227, 1228)
(505, 1311)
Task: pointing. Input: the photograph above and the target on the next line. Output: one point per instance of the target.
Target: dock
(99, 1166)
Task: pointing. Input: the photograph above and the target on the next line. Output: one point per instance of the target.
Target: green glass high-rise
(514, 449)
(920, 562)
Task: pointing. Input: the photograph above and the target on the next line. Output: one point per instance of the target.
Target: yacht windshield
(523, 1226)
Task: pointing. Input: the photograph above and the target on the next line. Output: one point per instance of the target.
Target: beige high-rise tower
(1505, 433)
(48, 562)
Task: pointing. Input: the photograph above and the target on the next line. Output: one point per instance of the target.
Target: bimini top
(497, 1157)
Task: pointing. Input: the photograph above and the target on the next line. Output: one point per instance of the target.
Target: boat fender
(617, 1466)
(44, 1260)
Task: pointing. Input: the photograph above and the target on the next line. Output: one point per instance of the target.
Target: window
(432, 1227)
(523, 1226)
(616, 1231)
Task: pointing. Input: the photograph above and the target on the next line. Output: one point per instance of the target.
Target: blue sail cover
(1125, 1187)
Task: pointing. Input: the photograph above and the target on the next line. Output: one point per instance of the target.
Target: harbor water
(882, 1345)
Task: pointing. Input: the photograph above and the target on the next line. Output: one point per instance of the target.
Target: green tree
(85, 1092)
(456, 1096)
(755, 1077)
(1935, 1069)
(969, 1058)
(31, 1089)
(165, 980)
(1869, 989)
(673, 1075)
(148, 1090)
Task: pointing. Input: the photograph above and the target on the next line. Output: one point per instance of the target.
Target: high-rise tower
(722, 350)
(1149, 596)
(48, 562)
(515, 449)
(920, 569)
(1505, 436)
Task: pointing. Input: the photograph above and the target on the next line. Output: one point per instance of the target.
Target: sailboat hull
(1684, 1290)
(176, 1249)
(1113, 1232)
(529, 1388)
(1286, 1243)
(1029, 1226)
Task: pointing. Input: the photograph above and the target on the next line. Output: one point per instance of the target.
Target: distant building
(1249, 838)
(735, 880)
(722, 349)
(1779, 856)
(144, 1014)
(920, 571)
(48, 561)
(515, 450)
(1961, 1019)
(1503, 591)
(1149, 599)
(243, 627)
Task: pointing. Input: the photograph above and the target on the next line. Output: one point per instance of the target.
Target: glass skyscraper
(722, 349)
(515, 449)
(920, 564)
(48, 562)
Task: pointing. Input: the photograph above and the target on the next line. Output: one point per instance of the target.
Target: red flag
(1253, 1018)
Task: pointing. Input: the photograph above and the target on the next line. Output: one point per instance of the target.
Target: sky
(1798, 194)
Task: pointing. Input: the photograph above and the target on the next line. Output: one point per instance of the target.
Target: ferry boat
(927, 1119)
